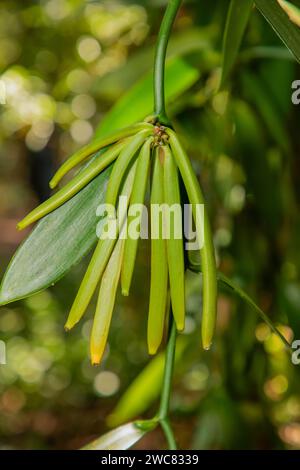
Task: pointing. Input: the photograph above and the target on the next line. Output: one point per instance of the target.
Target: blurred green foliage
(64, 64)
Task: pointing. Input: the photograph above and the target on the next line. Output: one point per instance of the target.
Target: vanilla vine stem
(167, 385)
(161, 116)
(160, 59)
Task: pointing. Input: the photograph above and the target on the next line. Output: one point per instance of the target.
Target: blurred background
(65, 63)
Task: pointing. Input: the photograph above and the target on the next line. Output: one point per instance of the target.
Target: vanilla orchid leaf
(236, 22)
(58, 242)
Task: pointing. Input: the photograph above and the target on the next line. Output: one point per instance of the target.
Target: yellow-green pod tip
(206, 343)
(95, 359)
(21, 225)
(53, 183)
(125, 292)
(153, 346)
(180, 325)
(152, 350)
(68, 326)
(96, 352)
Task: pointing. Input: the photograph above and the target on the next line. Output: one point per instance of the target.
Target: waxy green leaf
(57, 243)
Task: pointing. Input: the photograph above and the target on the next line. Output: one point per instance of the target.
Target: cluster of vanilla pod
(142, 152)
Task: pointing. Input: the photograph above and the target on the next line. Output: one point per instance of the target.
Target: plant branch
(168, 432)
(161, 116)
(166, 387)
(160, 58)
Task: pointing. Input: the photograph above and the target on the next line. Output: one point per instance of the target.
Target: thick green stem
(160, 58)
(166, 388)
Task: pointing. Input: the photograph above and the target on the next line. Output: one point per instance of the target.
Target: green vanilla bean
(159, 265)
(90, 281)
(175, 238)
(73, 186)
(92, 148)
(239, 292)
(207, 251)
(97, 264)
(121, 166)
(105, 304)
(137, 197)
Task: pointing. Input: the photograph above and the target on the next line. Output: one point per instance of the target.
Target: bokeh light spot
(106, 383)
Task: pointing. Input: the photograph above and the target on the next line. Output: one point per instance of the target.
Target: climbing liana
(144, 154)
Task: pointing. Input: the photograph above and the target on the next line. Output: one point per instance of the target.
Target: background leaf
(288, 32)
(262, 97)
(145, 389)
(137, 103)
(237, 20)
(182, 44)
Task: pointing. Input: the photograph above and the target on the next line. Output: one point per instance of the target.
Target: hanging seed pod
(105, 304)
(159, 266)
(207, 251)
(137, 197)
(90, 281)
(97, 264)
(131, 148)
(121, 166)
(74, 186)
(175, 238)
(94, 147)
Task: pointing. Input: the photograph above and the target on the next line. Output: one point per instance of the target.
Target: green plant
(106, 264)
